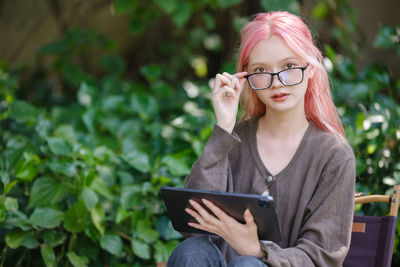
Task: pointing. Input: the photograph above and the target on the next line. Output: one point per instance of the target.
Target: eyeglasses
(288, 77)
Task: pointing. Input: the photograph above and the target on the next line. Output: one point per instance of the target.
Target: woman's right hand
(225, 98)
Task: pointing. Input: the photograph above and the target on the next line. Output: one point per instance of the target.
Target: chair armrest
(372, 198)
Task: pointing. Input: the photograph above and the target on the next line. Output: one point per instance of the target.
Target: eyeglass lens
(287, 77)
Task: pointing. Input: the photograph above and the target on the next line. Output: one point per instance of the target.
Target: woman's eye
(260, 69)
(289, 65)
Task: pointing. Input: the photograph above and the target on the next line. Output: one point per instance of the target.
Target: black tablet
(234, 204)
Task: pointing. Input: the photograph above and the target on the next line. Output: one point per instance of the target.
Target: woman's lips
(280, 97)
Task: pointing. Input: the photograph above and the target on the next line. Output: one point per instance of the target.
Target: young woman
(290, 144)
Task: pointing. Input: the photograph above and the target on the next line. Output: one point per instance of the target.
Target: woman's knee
(195, 250)
(246, 261)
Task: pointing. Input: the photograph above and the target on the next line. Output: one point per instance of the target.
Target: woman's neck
(283, 124)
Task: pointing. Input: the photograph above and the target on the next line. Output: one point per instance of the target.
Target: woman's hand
(225, 98)
(243, 238)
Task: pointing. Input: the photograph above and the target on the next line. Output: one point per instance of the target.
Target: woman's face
(273, 55)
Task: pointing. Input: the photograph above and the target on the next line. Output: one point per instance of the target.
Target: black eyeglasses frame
(277, 74)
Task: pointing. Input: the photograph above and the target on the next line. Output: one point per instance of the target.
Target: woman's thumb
(248, 217)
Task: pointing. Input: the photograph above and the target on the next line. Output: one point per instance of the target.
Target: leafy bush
(82, 156)
(78, 180)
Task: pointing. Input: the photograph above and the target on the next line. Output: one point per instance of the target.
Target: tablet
(234, 204)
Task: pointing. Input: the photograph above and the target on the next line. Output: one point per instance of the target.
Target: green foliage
(80, 170)
(83, 187)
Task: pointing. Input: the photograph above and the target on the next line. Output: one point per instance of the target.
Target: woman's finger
(205, 216)
(248, 217)
(195, 215)
(220, 214)
(220, 80)
(201, 223)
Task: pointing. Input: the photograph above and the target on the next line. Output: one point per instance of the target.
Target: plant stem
(22, 258)
(3, 256)
(71, 242)
(122, 234)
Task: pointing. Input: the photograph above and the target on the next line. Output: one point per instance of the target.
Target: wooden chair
(373, 236)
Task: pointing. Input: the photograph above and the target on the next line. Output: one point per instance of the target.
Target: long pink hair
(318, 103)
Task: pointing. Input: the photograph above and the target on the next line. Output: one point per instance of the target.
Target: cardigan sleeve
(211, 171)
(324, 238)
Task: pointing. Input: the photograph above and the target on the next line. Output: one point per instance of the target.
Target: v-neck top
(257, 157)
(313, 193)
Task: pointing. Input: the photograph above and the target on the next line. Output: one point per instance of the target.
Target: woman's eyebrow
(288, 59)
(279, 62)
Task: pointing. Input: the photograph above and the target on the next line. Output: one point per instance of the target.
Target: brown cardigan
(313, 193)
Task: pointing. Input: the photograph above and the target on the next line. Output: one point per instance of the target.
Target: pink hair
(318, 103)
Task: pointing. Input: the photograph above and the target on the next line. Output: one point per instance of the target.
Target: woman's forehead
(272, 51)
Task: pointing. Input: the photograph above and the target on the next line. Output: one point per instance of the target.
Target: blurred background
(102, 102)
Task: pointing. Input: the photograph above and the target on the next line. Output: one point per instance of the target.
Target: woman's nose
(276, 82)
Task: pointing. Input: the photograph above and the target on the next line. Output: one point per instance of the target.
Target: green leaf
(98, 216)
(164, 227)
(99, 186)
(43, 127)
(167, 5)
(66, 132)
(151, 72)
(46, 217)
(76, 218)
(3, 214)
(8, 187)
(22, 111)
(182, 14)
(386, 37)
(320, 10)
(58, 47)
(138, 160)
(227, 3)
(89, 198)
(19, 238)
(11, 203)
(176, 166)
(45, 191)
(122, 214)
(113, 102)
(112, 244)
(209, 20)
(25, 170)
(164, 250)
(114, 64)
(4, 177)
(58, 146)
(292, 6)
(53, 238)
(145, 232)
(16, 219)
(131, 197)
(137, 25)
(141, 249)
(77, 261)
(48, 255)
(64, 167)
(123, 6)
(88, 119)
